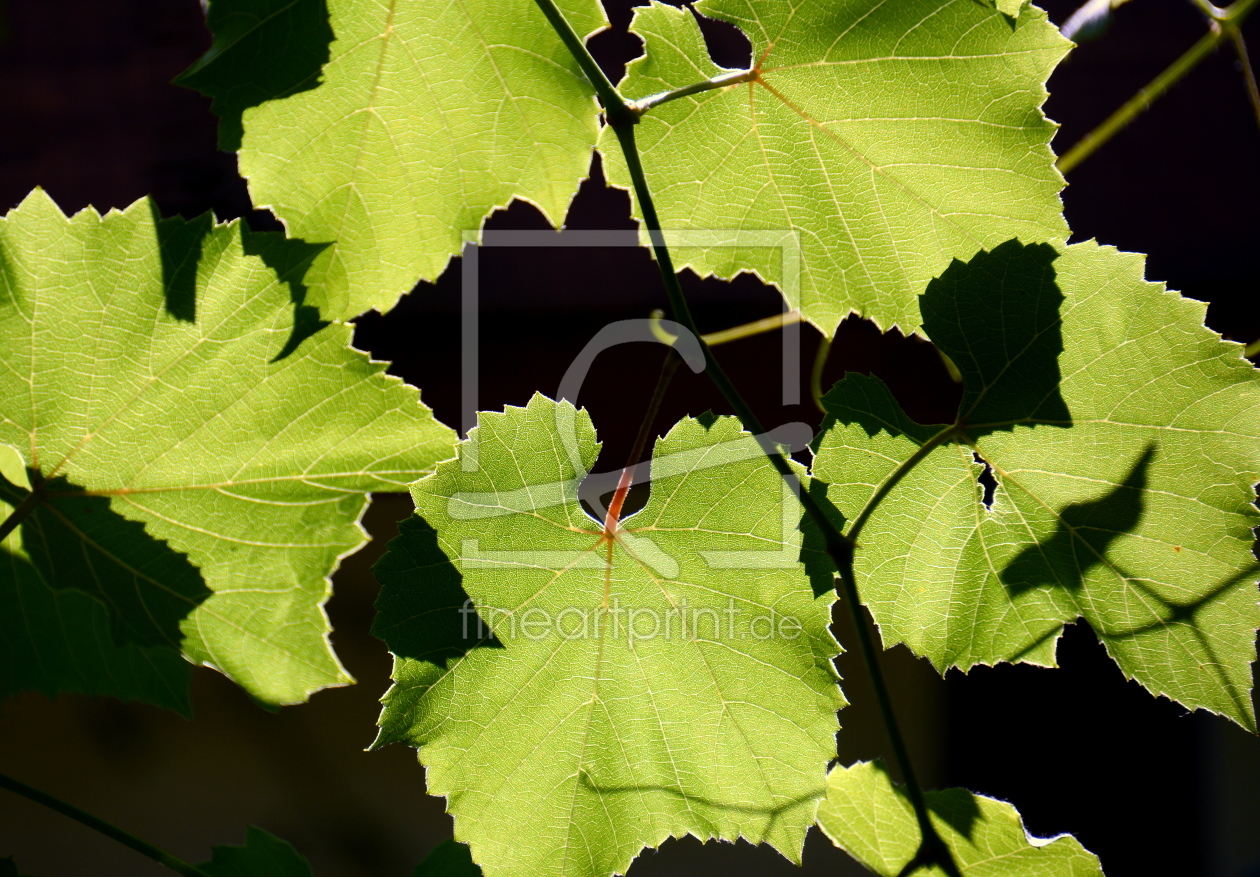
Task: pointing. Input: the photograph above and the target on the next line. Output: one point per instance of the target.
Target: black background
(87, 112)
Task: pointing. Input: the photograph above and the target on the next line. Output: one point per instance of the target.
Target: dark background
(87, 112)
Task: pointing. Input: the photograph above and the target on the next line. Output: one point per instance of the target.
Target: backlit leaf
(887, 138)
(190, 462)
(428, 117)
(677, 679)
(1124, 438)
(868, 816)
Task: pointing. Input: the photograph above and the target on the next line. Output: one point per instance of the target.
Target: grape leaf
(195, 482)
(888, 137)
(262, 855)
(1124, 438)
(429, 116)
(868, 816)
(576, 737)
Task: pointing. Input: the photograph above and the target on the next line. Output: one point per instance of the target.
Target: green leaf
(886, 137)
(576, 738)
(868, 816)
(448, 859)
(263, 855)
(197, 484)
(429, 116)
(1124, 437)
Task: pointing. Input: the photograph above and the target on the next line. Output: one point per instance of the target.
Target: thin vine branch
(932, 849)
(668, 367)
(622, 119)
(816, 373)
(748, 330)
(1226, 22)
(21, 513)
(1248, 72)
(162, 857)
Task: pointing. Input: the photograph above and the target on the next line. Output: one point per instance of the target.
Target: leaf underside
(884, 138)
(262, 855)
(428, 116)
(568, 749)
(870, 817)
(196, 483)
(1124, 438)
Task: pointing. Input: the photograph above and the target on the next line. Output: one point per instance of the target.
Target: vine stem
(622, 118)
(21, 513)
(816, 373)
(113, 832)
(1248, 72)
(1225, 23)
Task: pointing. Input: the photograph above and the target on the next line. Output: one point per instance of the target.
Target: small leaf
(262, 855)
(887, 137)
(1124, 438)
(448, 859)
(197, 483)
(428, 117)
(870, 817)
(674, 679)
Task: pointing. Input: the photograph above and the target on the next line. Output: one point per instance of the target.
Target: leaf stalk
(726, 80)
(162, 857)
(932, 849)
(1225, 24)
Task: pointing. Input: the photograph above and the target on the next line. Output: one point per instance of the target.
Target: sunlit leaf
(427, 117)
(1124, 438)
(870, 817)
(190, 462)
(675, 679)
(887, 138)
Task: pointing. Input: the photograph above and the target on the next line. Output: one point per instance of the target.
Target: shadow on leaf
(774, 814)
(289, 258)
(1085, 532)
(179, 246)
(77, 541)
(997, 317)
(955, 807)
(423, 611)
(814, 556)
(263, 50)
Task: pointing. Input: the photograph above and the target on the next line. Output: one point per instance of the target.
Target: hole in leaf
(987, 481)
(727, 44)
(615, 47)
